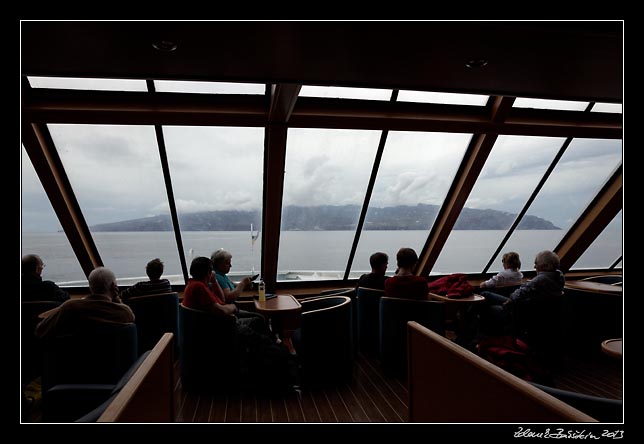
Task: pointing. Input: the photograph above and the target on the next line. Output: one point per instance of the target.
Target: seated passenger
(222, 262)
(510, 275)
(33, 288)
(103, 305)
(376, 279)
(548, 283)
(198, 295)
(404, 284)
(156, 285)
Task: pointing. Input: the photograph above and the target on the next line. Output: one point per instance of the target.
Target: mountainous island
(330, 217)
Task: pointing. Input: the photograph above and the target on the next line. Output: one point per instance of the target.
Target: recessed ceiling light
(476, 63)
(164, 45)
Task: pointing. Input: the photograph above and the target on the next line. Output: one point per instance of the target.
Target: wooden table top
(612, 347)
(595, 287)
(470, 299)
(281, 302)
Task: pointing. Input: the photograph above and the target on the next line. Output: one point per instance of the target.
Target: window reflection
(115, 172)
(208, 87)
(512, 171)
(447, 98)
(217, 177)
(415, 174)
(42, 234)
(566, 105)
(581, 171)
(327, 172)
(605, 249)
(88, 84)
(340, 92)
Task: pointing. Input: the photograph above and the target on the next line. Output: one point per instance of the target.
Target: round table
(284, 312)
(613, 347)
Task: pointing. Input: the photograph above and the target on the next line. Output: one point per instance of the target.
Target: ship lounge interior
(361, 356)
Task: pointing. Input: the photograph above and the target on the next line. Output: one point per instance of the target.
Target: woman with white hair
(222, 263)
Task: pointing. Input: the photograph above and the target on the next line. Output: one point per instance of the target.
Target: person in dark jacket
(546, 285)
(376, 279)
(33, 287)
(156, 285)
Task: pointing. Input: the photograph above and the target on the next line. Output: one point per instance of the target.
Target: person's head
(102, 281)
(511, 260)
(546, 261)
(406, 258)
(379, 262)
(32, 264)
(200, 268)
(154, 269)
(222, 261)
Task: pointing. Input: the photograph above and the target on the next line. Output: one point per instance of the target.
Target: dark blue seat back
(154, 315)
(538, 323)
(101, 355)
(31, 351)
(209, 356)
(394, 315)
(325, 340)
(350, 292)
(369, 319)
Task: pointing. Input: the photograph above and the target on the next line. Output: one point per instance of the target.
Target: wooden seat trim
(149, 394)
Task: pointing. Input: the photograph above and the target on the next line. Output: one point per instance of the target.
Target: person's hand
(247, 282)
(482, 284)
(116, 294)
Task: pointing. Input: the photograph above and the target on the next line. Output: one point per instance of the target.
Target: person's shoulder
(50, 284)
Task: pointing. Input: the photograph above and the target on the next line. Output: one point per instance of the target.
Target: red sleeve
(198, 296)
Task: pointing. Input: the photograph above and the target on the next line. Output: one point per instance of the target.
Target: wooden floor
(597, 375)
(370, 397)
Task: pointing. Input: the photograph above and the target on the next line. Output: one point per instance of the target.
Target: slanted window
(116, 175)
(415, 174)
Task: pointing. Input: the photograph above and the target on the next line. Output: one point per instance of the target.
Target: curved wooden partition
(448, 383)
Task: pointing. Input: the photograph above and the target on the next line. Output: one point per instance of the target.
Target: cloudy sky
(116, 172)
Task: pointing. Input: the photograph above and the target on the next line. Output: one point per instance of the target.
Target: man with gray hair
(102, 306)
(546, 286)
(549, 282)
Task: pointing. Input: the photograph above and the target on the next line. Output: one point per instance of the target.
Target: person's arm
(233, 295)
(48, 325)
(115, 293)
(216, 288)
(131, 292)
(57, 293)
(523, 292)
(494, 281)
(226, 310)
